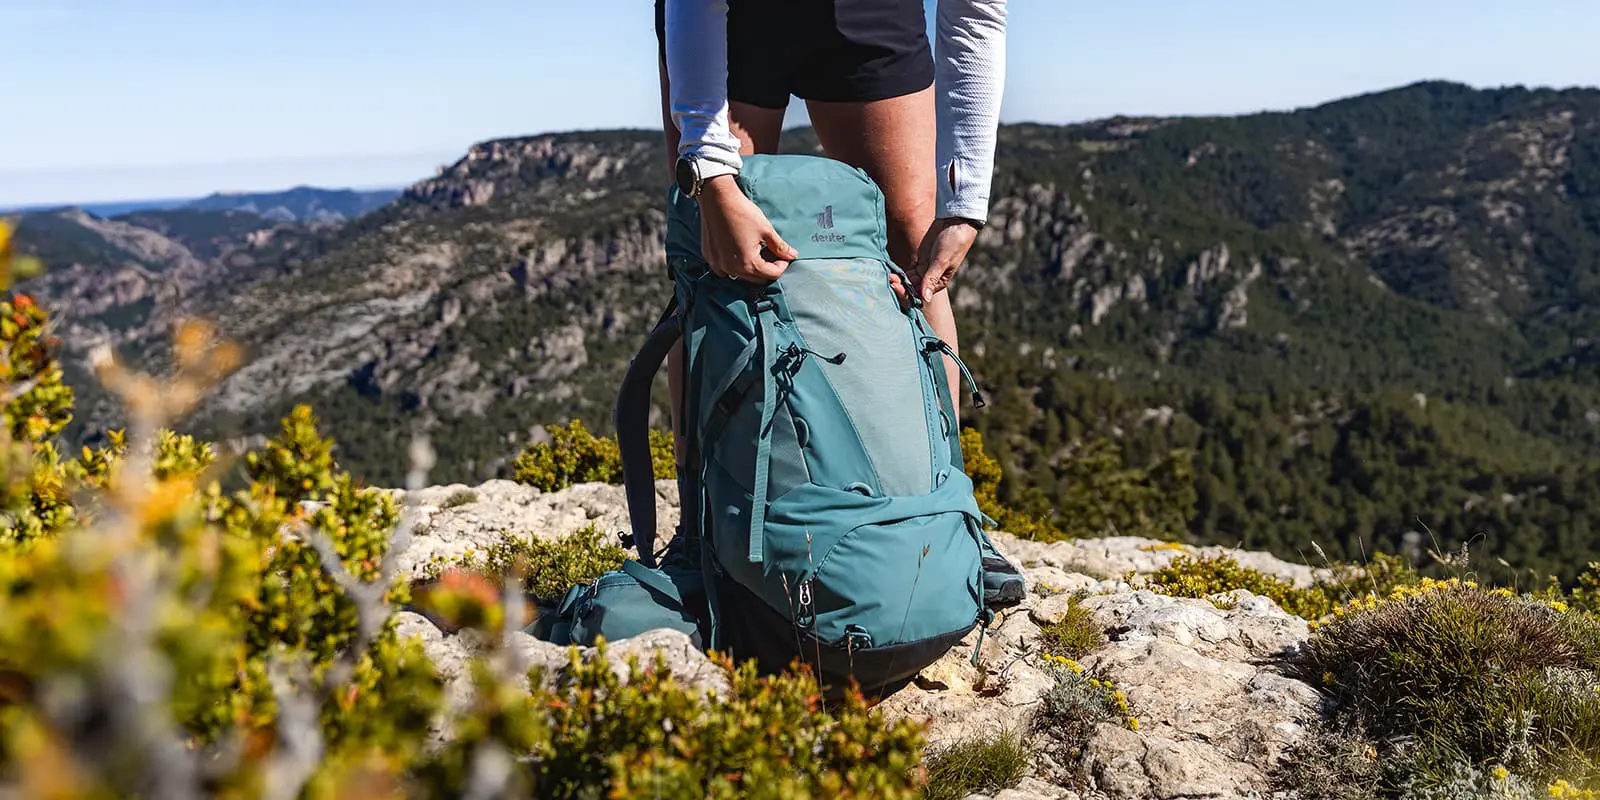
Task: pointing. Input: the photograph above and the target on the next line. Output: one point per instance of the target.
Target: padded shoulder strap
(632, 420)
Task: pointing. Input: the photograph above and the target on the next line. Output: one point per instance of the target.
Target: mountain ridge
(314, 203)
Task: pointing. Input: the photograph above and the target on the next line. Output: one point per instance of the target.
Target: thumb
(934, 280)
(777, 246)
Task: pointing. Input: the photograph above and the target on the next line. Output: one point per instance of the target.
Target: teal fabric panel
(871, 560)
(846, 305)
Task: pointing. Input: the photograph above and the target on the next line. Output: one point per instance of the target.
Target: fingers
(899, 288)
(940, 254)
(740, 243)
(937, 279)
(771, 257)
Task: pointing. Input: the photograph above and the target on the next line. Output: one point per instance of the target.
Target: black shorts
(845, 51)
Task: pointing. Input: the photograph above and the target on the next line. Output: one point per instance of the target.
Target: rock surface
(451, 521)
(1213, 713)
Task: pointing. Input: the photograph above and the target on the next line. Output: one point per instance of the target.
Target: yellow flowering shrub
(1208, 576)
(1194, 576)
(574, 455)
(1075, 703)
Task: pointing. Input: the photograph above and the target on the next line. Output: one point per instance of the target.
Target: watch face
(685, 175)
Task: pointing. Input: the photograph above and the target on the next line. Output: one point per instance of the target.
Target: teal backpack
(829, 520)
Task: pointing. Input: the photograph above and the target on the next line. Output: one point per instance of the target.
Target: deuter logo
(825, 222)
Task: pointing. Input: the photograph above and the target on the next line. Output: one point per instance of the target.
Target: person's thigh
(868, 83)
(893, 141)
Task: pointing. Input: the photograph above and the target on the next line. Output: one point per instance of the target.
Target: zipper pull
(797, 352)
(984, 617)
(805, 617)
(934, 343)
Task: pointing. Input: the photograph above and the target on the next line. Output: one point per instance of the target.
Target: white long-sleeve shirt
(969, 77)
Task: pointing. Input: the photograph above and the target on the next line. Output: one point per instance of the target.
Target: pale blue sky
(120, 99)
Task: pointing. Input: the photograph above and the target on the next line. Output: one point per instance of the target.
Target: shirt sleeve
(969, 71)
(697, 75)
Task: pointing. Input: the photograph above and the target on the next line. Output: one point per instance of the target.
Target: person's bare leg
(893, 140)
(758, 130)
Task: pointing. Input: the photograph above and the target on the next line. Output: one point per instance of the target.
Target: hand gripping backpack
(828, 518)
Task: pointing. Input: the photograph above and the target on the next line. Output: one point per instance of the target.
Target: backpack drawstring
(798, 353)
(933, 343)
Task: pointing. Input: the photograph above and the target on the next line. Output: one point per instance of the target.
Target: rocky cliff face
(1213, 714)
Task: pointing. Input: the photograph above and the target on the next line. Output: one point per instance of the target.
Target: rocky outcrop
(452, 520)
(1213, 712)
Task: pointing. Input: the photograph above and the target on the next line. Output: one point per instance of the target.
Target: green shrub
(548, 567)
(1446, 673)
(233, 597)
(462, 497)
(599, 735)
(574, 455)
(1073, 636)
(980, 764)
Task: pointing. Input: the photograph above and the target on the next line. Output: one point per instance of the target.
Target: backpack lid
(824, 208)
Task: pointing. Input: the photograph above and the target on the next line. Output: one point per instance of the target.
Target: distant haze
(172, 186)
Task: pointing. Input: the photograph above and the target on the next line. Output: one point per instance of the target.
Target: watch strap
(706, 169)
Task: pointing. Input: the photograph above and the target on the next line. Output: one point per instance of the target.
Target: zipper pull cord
(933, 343)
(799, 353)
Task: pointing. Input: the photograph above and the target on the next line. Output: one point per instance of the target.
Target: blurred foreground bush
(161, 638)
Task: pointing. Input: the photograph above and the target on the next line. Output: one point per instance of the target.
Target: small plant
(460, 497)
(1332, 763)
(574, 455)
(548, 568)
(980, 764)
(1075, 703)
(1074, 635)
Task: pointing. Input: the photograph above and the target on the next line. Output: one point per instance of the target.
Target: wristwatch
(692, 174)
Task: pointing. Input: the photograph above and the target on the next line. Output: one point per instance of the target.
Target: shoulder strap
(632, 420)
(652, 579)
(764, 313)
